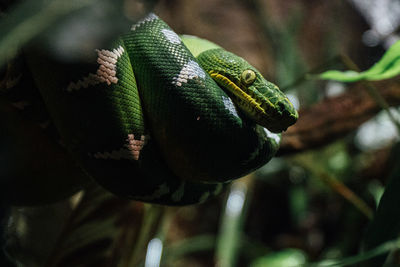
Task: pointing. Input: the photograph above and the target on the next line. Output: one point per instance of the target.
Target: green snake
(162, 118)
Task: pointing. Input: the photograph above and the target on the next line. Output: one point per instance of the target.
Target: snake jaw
(280, 115)
(276, 117)
(246, 102)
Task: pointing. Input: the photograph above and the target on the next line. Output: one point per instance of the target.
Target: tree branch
(335, 117)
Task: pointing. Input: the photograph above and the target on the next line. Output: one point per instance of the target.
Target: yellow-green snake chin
(243, 98)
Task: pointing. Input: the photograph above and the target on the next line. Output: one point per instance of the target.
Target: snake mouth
(275, 117)
(271, 120)
(248, 103)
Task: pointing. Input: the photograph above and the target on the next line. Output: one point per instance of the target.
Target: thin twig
(336, 185)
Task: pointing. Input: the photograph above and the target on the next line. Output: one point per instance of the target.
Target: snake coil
(151, 122)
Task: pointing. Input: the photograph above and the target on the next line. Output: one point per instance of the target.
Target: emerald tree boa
(163, 118)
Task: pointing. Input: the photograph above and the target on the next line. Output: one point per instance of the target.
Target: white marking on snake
(178, 194)
(135, 146)
(131, 150)
(162, 189)
(229, 106)
(189, 71)
(171, 36)
(21, 104)
(106, 72)
(274, 136)
(148, 18)
(122, 153)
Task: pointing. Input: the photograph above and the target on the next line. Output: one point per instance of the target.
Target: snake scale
(151, 122)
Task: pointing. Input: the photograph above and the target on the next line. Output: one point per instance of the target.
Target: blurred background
(315, 203)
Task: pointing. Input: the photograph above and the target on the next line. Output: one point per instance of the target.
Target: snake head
(270, 107)
(260, 100)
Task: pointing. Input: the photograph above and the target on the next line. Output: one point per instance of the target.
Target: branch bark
(335, 117)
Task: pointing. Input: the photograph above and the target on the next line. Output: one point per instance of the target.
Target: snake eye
(248, 77)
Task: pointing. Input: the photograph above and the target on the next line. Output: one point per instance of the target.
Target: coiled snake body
(153, 123)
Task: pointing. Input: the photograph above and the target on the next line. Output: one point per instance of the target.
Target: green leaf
(387, 67)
